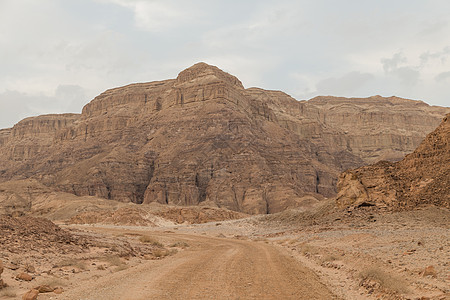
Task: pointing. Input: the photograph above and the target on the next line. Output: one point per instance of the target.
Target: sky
(57, 55)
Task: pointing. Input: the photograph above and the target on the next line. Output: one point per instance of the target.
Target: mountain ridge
(202, 139)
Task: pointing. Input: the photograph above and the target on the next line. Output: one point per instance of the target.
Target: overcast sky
(55, 56)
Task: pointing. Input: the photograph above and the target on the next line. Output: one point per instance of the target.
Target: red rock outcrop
(421, 178)
(203, 138)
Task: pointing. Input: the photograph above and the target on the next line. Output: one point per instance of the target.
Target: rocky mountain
(422, 177)
(203, 138)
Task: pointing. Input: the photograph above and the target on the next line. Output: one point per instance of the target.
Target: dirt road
(211, 268)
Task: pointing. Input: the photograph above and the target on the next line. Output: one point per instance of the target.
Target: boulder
(24, 276)
(31, 295)
(429, 271)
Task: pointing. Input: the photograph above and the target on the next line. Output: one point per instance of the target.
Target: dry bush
(53, 282)
(180, 244)
(148, 240)
(260, 239)
(72, 262)
(306, 249)
(160, 253)
(112, 260)
(328, 258)
(386, 281)
(8, 292)
(121, 267)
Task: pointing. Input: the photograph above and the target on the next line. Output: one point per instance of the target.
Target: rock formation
(2, 284)
(422, 177)
(203, 138)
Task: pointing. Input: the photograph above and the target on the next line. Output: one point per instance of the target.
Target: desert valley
(199, 188)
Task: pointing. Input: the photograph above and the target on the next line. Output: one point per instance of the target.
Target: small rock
(24, 276)
(1, 268)
(44, 289)
(31, 295)
(2, 284)
(30, 269)
(58, 290)
(429, 271)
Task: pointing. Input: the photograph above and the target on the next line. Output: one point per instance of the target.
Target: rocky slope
(203, 138)
(422, 177)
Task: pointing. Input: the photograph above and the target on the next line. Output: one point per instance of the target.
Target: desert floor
(360, 254)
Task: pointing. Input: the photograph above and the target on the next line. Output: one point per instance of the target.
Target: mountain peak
(204, 72)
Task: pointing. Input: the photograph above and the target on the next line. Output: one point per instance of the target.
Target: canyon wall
(421, 178)
(203, 139)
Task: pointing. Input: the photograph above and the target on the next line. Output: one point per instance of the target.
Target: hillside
(422, 177)
(203, 139)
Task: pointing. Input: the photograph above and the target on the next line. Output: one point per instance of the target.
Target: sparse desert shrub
(306, 249)
(160, 253)
(72, 262)
(386, 280)
(180, 244)
(101, 267)
(293, 241)
(121, 267)
(148, 240)
(260, 239)
(8, 292)
(328, 258)
(53, 282)
(112, 260)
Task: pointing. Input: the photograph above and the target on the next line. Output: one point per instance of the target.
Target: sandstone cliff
(203, 138)
(422, 177)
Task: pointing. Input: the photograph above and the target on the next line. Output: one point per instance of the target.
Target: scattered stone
(58, 290)
(31, 295)
(430, 271)
(24, 277)
(44, 289)
(30, 269)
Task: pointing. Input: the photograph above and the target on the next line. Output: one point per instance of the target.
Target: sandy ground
(365, 254)
(210, 268)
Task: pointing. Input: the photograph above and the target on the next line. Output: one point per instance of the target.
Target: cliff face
(422, 177)
(203, 139)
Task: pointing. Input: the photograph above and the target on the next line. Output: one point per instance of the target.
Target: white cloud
(442, 76)
(18, 105)
(158, 16)
(345, 85)
(304, 48)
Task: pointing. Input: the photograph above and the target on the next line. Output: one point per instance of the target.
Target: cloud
(17, 105)
(158, 16)
(440, 55)
(442, 76)
(345, 85)
(391, 64)
(408, 75)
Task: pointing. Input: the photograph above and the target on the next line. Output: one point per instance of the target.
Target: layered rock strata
(421, 178)
(203, 139)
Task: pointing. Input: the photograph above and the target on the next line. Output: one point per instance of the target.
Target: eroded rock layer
(203, 138)
(422, 177)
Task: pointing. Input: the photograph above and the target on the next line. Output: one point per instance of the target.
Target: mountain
(421, 178)
(203, 139)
